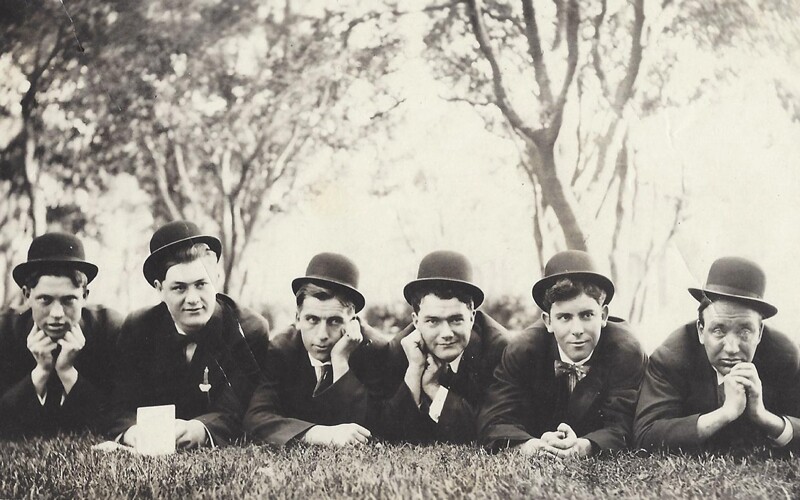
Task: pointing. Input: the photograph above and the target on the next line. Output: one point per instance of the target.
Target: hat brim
(541, 286)
(336, 286)
(766, 309)
(152, 262)
(22, 271)
(477, 293)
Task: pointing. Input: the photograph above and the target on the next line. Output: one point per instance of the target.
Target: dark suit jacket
(153, 369)
(283, 406)
(527, 399)
(680, 385)
(86, 406)
(400, 419)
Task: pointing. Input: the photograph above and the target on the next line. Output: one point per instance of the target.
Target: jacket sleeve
(660, 420)
(458, 421)
(89, 401)
(501, 422)
(618, 407)
(125, 395)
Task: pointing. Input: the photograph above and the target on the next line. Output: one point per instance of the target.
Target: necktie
(325, 380)
(576, 373)
(446, 378)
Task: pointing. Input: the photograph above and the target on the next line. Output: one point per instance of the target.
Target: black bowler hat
(54, 251)
(334, 271)
(570, 264)
(446, 267)
(739, 280)
(167, 238)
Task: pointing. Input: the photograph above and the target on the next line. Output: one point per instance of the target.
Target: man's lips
(192, 309)
(730, 362)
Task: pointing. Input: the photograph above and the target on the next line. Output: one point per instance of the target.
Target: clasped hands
(562, 443)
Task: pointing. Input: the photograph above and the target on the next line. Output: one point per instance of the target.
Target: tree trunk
(553, 195)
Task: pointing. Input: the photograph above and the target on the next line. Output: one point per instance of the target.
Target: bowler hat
(335, 271)
(54, 251)
(737, 279)
(446, 267)
(570, 264)
(167, 238)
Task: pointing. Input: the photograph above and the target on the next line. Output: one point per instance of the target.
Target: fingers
(73, 341)
(566, 429)
(362, 430)
(35, 336)
(78, 334)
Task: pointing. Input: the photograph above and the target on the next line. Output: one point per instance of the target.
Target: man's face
(56, 304)
(322, 324)
(730, 335)
(445, 326)
(189, 293)
(576, 325)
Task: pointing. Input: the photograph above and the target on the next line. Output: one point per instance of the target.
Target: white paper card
(156, 430)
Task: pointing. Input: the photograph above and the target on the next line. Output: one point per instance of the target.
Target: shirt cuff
(210, 440)
(785, 436)
(437, 405)
(42, 398)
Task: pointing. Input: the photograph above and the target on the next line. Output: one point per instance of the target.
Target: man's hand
(415, 350)
(566, 443)
(535, 447)
(709, 424)
(337, 435)
(735, 397)
(746, 375)
(430, 377)
(41, 347)
(344, 347)
(189, 433)
(71, 344)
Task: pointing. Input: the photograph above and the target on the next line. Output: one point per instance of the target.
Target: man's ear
(85, 293)
(546, 319)
(157, 285)
(414, 318)
(700, 331)
(297, 316)
(26, 292)
(474, 312)
(604, 314)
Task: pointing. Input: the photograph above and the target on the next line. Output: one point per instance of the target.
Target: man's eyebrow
(456, 316)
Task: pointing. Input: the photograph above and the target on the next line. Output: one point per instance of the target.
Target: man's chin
(55, 335)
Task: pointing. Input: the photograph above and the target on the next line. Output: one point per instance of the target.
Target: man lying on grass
(316, 388)
(441, 365)
(56, 356)
(197, 349)
(567, 385)
(725, 380)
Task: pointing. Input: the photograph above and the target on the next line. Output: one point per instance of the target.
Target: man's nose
(192, 295)
(730, 344)
(445, 330)
(57, 310)
(576, 327)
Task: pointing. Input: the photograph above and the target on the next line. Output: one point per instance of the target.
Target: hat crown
(736, 275)
(445, 264)
(570, 261)
(173, 231)
(333, 267)
(56, 246)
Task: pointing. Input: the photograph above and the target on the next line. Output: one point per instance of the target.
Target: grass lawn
(68, 468)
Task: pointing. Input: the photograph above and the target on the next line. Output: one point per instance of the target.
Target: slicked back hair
(321, 293)
(443, 290)
(183, 254)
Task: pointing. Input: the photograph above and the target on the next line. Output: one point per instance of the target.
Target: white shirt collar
(456, 362)
(720, 377)
(317, 363)
(567, 359)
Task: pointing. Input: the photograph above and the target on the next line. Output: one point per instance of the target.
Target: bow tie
(189, 338)
(567, 368)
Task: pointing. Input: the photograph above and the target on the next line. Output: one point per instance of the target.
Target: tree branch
(535, 51)
(597, 23)
(502, 101)
(573, 24)
(160, 173)
(625, 89)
